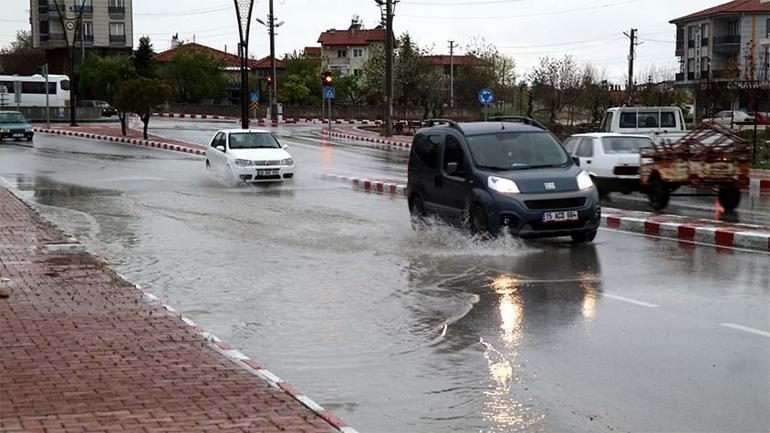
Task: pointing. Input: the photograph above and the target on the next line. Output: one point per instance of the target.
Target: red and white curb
(366, 139)
(700, 231)
(743, 236)
(388, 187)
(292, 120)
(252, 366)
(760, 184)
(124, 140)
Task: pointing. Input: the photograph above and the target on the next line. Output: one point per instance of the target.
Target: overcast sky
(590, 30)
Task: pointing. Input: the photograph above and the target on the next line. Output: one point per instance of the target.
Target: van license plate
(555, 217)
(272, 172)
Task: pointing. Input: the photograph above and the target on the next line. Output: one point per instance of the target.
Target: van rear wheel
(729, 197)
(659, 194)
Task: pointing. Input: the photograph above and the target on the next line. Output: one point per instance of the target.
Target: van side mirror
(451, 168)
(284, 146)
(576, 160)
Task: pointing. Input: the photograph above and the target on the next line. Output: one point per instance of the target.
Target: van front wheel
(478, 220)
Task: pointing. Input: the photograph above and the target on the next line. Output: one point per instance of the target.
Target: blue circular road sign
(486, 97)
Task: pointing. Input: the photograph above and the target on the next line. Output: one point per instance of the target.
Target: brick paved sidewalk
(81, 350)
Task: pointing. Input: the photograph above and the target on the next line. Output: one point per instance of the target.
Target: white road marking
(630, 301)
(747, 329)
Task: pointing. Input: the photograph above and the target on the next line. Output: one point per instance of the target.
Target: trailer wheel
(729, 197)
(659, 193)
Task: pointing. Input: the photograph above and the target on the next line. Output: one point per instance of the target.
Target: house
(232, 66)
(444, 62)
(725, 44)
(344, 52)
(107, 28)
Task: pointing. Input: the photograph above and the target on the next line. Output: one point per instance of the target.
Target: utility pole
(451, 74)
(243, 9)
(274, 89)
(631, 57)
(389, 6)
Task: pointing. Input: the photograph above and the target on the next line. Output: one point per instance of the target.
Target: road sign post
(330, 93)
(486, 98)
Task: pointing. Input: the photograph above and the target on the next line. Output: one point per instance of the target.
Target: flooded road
(402, 331)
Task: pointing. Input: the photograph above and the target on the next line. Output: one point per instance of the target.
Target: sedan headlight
(243, 163)
(502, 185)
(584, 181)
(287, 161)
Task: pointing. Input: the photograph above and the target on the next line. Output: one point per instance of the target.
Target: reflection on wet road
(432, 331)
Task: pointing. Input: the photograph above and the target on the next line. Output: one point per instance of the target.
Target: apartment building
(725, 44)
(344, 52)
(107, 28)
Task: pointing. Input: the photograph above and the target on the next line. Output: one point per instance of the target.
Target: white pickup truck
(660, 123)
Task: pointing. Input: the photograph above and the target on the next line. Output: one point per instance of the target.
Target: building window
(733, 28)
(116, 7)
(342, 54)
(44, 29)
(704, 65)
(704, 34)
(87, 5)
(117, 32)
(358, 52)
(767, 28)
(88, 32)
(358, 72)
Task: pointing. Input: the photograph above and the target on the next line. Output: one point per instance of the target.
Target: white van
(667, 121)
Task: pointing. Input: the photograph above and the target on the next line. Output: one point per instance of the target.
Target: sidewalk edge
(124, 140)
(214, 342)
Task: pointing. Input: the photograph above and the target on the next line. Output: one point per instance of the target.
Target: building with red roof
(344, 52)
(725, 44)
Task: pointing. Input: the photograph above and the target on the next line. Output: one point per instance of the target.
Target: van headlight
(584, 181)
(287, 161)
(502, 185)
(243, 163)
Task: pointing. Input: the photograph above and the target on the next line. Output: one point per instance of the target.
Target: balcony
(727, 39)
(88, 39)
(117, 39)
(87, 10)
(117, 11)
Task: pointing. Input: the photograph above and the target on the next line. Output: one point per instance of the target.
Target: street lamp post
(71, 26)
(271, 26)
(243, 10)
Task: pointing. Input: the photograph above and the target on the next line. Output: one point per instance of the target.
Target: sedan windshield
(517, 151)
(630, 145)
(253, 140)
(12, 118)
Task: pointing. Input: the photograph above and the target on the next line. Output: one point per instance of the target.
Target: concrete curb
(390, 188)
(367, 139)
(760, 181)
(235, 356)
(124, 140)
(703, 232)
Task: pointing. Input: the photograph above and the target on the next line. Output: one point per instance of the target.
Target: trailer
(710, 157)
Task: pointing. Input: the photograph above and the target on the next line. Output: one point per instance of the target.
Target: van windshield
(12, 118)
(517, 151)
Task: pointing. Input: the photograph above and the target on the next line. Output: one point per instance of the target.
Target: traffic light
(327, 79)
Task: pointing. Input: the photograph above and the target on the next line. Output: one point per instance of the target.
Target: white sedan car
(251, 155)
(612, 160)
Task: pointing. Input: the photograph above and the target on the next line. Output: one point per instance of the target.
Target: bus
(33, 90)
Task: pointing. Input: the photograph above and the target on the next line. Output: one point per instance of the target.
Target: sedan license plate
(18, 135)
(271, 172)
(555, 217)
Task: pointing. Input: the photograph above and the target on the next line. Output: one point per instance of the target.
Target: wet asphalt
(433, 331)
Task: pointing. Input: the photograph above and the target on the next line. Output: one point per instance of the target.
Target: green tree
(301, 83)
(142, 96)
(373, 80)
(554, 84)
(595, 93)
(143, 63)
(19, 57)
(100, 78)
(194, 77)
(492, 69)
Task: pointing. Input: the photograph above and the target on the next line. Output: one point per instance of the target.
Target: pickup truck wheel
(584, 237)
(659, 194)
(729, 197)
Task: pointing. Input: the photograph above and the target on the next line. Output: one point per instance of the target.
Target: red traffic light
(327, 79)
